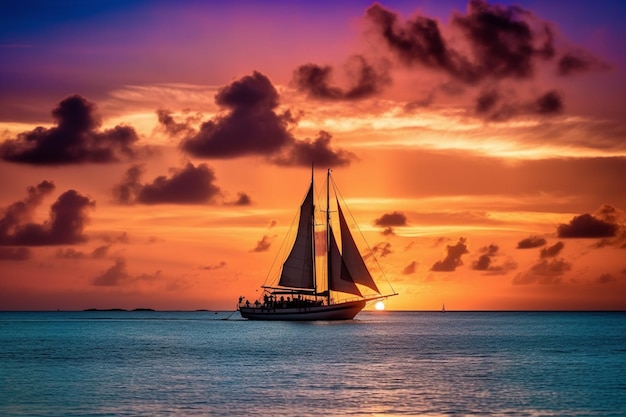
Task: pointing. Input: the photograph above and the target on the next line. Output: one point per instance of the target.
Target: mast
(328, 232)
(312, 219)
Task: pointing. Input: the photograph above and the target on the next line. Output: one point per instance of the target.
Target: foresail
(340, 278)
(298, 268)
(351, 256)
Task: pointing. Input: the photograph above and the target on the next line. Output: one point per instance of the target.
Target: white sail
(352, 258)
(298, 268)
(340, 277)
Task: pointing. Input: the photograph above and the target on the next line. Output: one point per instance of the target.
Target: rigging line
(356, 226)
(230, 315)
(281, 250)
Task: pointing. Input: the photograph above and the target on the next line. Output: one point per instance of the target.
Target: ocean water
(381, 363)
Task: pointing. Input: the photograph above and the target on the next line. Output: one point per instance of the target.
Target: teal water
(389, 363)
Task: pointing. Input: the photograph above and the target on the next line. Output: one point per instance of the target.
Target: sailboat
(335, 288)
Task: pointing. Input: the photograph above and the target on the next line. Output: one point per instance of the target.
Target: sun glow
(379, 306)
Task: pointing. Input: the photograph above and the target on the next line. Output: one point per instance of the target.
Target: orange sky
(160, 165)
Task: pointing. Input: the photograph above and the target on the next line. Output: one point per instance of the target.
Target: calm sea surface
(390, 363)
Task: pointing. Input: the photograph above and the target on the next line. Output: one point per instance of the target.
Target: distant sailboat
(307, 290)
(443, 308)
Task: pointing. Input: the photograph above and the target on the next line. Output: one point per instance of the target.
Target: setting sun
(379, 306)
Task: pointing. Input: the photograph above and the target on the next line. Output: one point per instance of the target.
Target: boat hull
(340, 311)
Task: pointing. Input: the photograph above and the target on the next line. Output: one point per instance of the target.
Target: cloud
(171, 126)
(546, 271)
(251, 125)
(549, 268)
(75, 139)
(243, 199)
(587, 226)
(117, 275)
(14, 254)
(410, 268)
(489, 44)
(395, 218)
(68, 216)
(382, 249)
(551, 251)
(494, 105)
(390, 220)
(315, 80)
(318, 151)
(264, 244)
(22, 211)
(71, 253)
(113, 276)
(188, 185)
(605, 279)
(453, 257)
(531, 242)
(485, 261)
(504, 41)
(579, 61)
(221, 265)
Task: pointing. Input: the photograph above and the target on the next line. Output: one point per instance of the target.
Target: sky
(153, 154)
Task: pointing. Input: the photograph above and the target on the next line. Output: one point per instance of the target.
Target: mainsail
(298, 269)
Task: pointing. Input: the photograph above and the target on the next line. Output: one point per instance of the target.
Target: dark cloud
(14, 254)
(549, 103)
(489, 44)
(586, 226)
(75, 139)
(382, 249)
(606, 279)
(115, 275)
(546, 271)
(388, 231)
(188, 185)
(494, 105)
(574, 62)
(170, 125)
(251, 125)
(484, 261)
(221, 265)
(531, 242)
(318, 151)
(505, 41)
(243, 199)
(419, 41)
(68, 216)
(487, 261)
(410, 268)
(315, 80)
(390, 220)
(395, 218)
(264, 244)
(100, 252)
(21, 212)
(453, 257)
(551, 251)
(71, 253)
